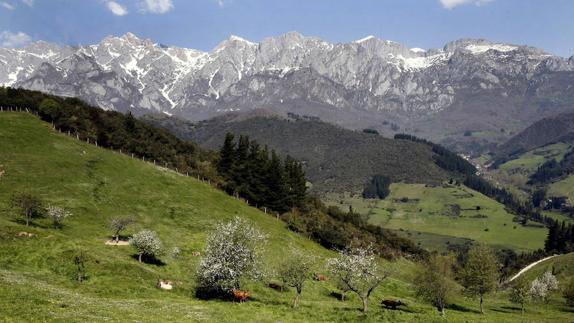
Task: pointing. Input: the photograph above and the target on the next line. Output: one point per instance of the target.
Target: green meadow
(36, 272)
(439, 215)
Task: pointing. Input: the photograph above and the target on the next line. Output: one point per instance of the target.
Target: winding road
(525, 269)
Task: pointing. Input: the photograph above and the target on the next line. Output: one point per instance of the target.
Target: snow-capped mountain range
(357, 84)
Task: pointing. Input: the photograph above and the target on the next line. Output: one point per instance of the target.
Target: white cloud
(29, 3)
(116, 8)
(450, 4)
(222, 3)
(9, 39)
(6, 5)
(157, 6)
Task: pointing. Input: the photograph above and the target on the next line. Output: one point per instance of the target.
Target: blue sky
(202, 24)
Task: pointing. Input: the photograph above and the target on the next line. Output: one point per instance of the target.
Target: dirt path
(527, 268)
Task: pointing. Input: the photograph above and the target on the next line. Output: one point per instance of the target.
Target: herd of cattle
(241, 296)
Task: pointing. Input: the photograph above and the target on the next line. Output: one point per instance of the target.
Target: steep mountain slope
(469, 85)
(97, 185)
(542, 133)
(335, 159)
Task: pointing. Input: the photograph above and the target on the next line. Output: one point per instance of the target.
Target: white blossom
(542, 286)
(232, 252)
(57, 214)
(147, 243)
(357, 269)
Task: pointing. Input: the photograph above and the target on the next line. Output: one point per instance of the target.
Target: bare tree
(358, 270)
(28, 206)
(117, 225)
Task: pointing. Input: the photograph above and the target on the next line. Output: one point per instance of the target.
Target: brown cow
(388, 303)
(321, 278)
(239, 295)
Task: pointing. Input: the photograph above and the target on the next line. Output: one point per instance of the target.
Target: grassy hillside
(95, 184)
(563, 187)
(516, 172)
(335, 159)
(541, 133)
(562, 266)
(427, 214)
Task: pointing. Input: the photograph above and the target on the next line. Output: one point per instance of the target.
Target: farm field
(514, 174)
(95, 184)
(446, 211)
(563, 187)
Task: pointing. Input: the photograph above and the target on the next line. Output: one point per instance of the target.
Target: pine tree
(241, 167)
(551, 242)
(276, 197)
(257, 162)
(296, 184)
(226, 156)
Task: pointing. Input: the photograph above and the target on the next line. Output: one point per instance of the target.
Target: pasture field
(564, 187)
(36, 272)
(446, 211)
(529, 161)
(514, 174)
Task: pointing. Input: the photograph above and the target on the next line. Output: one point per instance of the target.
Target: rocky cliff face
(470, 85)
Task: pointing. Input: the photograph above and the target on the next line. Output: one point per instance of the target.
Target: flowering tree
(232, 252)
(357, 269)
(294, 271)
(146, 243)
(57, 215)
(542, 286)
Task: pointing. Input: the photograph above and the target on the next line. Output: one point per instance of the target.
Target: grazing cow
(321, 278)
(25, 234)
(388, 303)
(276, 286)
(196, 254)
(165, 284)
(240, 295)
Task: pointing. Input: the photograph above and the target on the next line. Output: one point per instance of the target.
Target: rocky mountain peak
(363, 80)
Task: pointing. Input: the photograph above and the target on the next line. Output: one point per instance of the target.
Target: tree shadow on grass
(150, 260)
(32, 224)
(460, 308)
(505, 309)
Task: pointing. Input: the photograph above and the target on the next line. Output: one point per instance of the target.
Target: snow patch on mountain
(479, 49)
